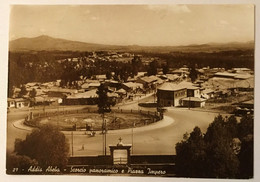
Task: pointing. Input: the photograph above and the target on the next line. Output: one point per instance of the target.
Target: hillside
(50, 44)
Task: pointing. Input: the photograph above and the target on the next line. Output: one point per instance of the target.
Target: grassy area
(95, 121)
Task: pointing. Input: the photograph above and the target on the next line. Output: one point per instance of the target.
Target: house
(93, 85)
(121, 92)
(47, 84)
(148, 81)
(207, 93)
(113, 83)
(247, 104)
(85, 86)
(244, 108)
(170, 94)
(32, 84)
(86, 98)
(243, 85)
(60, 92)
(131, 86)
(10, 103)
(192, 91)
(193, 102)
(225, 75)
(17, 103)
(101, 78)
(241, 70)
(113, 97)
(243, 76)
(180, 72)
(173, 77)
(43, 100)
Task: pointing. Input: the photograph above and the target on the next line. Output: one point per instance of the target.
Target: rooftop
(149, 79)
(88, 94)
(133, 85)
(171, 87)
(62, 90)
(174, 87)
(225, 74)
(194, 99)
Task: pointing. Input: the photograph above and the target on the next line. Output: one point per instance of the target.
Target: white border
(4, 36)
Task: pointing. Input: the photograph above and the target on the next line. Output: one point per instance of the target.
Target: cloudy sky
(152, 25)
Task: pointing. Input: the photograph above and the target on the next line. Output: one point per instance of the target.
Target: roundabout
(156, 138)
(94, 121)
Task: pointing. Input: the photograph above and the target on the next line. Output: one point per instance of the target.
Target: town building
(225, 75)
(170, 94)
(17, 103)
(60, 92)
(132, 87)
(86, 98)
(207, 93)
(147, 81)
(193, 102)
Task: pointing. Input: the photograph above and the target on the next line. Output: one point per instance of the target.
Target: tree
(103, 100)
(108, 75)
(18, 162)
(222, 160)
(136, 64)
(11, 91)
(103, 106)
(246, 126)
(246, 157)
(165, 68)
(23, 91)
(193, 73)
(194, 147)
(152, 69)
(210, 155)
(33, 93)
(47, 145)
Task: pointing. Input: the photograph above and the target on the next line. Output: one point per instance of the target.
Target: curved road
(159, 140)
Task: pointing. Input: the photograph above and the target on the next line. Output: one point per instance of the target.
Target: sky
(145, 25)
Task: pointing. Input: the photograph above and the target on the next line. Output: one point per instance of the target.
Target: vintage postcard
(131, 90)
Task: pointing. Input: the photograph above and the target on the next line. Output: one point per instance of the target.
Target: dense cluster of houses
(216, 82)
(173, 89)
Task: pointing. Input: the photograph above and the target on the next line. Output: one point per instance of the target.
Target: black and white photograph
(131, 90)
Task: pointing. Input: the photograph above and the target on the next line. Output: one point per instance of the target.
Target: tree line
(224, 151)
(44, 66)
(223, 59)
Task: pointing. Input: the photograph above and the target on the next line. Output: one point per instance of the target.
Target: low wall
(140, 165)
(135, 160)
(33, 118)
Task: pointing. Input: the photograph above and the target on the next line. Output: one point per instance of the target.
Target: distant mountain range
(48, 43)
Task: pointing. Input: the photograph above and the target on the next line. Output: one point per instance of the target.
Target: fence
(33, 118)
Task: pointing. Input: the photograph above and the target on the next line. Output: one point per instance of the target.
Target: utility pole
(104, 131)
(189, 102)
(72, 143)
(105, 138)
(103, 125)
(133, 137)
